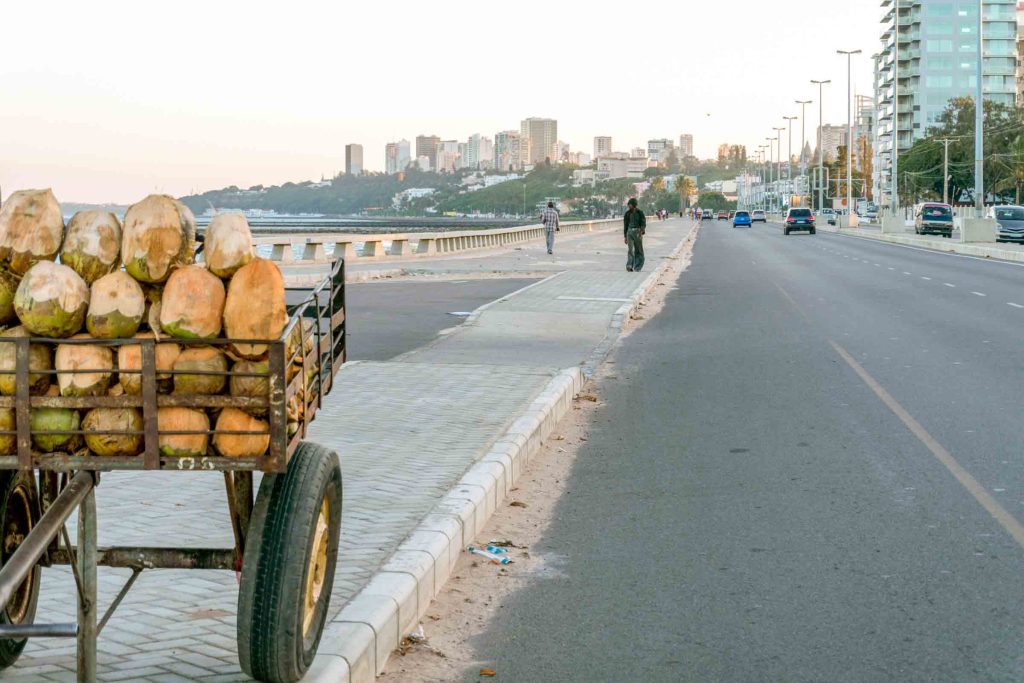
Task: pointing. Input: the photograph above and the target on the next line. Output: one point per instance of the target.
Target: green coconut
(202, 358)
(116, 307)
(158, 236)
(51, 300)
(64, 421)
(39, 359)
(92, 245)
(99, 360)
(251, 387)
(192, 304)
(129, 357)
(175, 419)
(113, 420)
(8, 442)
(8, 287)
(228, 244)
(31, 229)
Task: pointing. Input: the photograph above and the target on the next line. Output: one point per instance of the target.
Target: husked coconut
(98, 360)
(8, 287)
(129, 357)
(123, 420)
(204, 359)
(8, 442)
(251, 387)
(158, 235)
(51, 300)
(255, 307)
(39, 359)
(31, 229)
(174, 419)
(116, 307)
(192, 304)
(240, 445)
(92, 245)
(62, 421)
(228, 244)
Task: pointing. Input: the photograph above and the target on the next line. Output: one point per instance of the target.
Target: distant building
(423, 163)
(658, 150)
(405, 196)
(447, 156)
(397, 157)
(832, 138)
(638, 153)
(579, 159)
(563, 152)
(608, 169)
(508, 151)
(685, 146)
(354, 159)
(542, 137)
(478, 153)
(602, 146)
(426, 146)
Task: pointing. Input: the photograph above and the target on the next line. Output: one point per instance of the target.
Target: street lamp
(821, 148)
(803, 134)
(789, 157)
(849, 125)
(778, 160)
(979, 126)
(771, 170)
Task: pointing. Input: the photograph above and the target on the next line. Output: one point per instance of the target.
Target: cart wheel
(288, 569)
(18, 505)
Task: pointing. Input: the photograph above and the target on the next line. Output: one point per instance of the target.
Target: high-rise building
(426, 146)
(447, 156)
(542, 135)
(1020, 52)
(929, 56)
(354, 159)
(602, 146)
(397, 157)
(832, 138)
(636, 153)
(508, 150)
(685, 146)
(657, 150)
(479, 153)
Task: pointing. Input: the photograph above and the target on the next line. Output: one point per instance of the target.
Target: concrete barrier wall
(321, 248)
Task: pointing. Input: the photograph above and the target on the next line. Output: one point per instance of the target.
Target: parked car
(799, 219)
(829, 215)
(723, 215)
(934, 219)
(758, 216)
(1010, 223)
(707, 216)
(741, 219)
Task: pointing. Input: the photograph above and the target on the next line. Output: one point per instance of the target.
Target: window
(939, 46)
(939, 81)
(1009, 214)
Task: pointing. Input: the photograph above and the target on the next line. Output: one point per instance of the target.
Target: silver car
(1010, 224)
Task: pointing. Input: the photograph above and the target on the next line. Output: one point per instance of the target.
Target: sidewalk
(430, 443)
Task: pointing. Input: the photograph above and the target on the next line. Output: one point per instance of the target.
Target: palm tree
(685, 188)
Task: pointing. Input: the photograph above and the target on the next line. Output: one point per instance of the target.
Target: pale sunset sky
(109, 101)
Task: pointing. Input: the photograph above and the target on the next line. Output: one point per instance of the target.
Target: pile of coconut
(99, 279)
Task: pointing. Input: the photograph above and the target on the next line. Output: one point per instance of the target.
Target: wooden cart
(286, 534)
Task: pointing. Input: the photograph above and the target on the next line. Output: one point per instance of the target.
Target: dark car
(934, 219)
(758, 216)
(1010, 224)
(707, 215)
(741, 219)
(799, 219)
(723, 215)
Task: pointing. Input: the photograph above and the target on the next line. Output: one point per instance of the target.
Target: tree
(684, 188)
(715, 201)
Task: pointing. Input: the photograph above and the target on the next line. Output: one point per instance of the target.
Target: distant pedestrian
(550, 220)
(634, 227)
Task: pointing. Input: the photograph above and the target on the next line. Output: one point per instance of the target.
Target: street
(807, 467)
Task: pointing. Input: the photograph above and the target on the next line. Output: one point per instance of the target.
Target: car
(829, 215)
(741, 219)
(1009, 223)
(723, 215)
(932, 218)
(707, 215)
(799, 219)
(758, 216)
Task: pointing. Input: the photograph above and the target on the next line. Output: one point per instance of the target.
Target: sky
(110, 101)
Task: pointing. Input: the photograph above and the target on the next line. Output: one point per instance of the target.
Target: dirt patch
(478, 590)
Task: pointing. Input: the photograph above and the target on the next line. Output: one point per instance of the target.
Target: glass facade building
(929, 56)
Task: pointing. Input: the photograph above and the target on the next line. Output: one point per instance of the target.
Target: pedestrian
(550, 220)
(634, 227)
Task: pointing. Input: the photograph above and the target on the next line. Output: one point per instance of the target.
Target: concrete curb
(356, 644)
(941, 246)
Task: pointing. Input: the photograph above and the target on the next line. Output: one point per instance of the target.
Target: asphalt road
(808, 468)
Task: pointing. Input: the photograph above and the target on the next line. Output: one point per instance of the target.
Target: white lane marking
(879, 265)
(925, 278)
(979, 294)
(949, 285)
(892, 269)
(1010, 303)
(906, 273)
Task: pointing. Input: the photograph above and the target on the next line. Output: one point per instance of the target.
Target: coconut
(159, 234)
(253, 387)
(192, 304)
(51, 300)
(92, 245)
(113, 420)
(8, 287)
(182, 420)
(38, 359)
(99, 359)
(129, 357)
(240, 445)
(255, 307)
(204, 358)
(31, 229)
(64, 421)
(8, 442)
(116, 307)
(228, 244)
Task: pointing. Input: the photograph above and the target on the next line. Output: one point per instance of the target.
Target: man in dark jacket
(634, 226)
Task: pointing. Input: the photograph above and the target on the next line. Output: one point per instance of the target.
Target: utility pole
(803, 135)
(778, 160)
(771, 152)
(789, 157)
(945, 170)
(849, 125)
(821, 149)
(979, 124)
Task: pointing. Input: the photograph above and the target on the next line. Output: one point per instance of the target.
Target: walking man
(634, 226)
(550, 220)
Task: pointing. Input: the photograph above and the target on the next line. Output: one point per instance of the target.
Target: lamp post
(761, 172)
(894, 151)
(979, 124)
(789, 157)
(821, 149)
(771, 163)
(778, 160)
(803, 135)
(849, 127)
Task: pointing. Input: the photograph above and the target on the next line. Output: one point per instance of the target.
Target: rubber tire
(271, 597)
(786, 231)
(11, 649)
(813, 231)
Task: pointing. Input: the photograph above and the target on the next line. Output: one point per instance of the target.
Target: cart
(286, 534)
